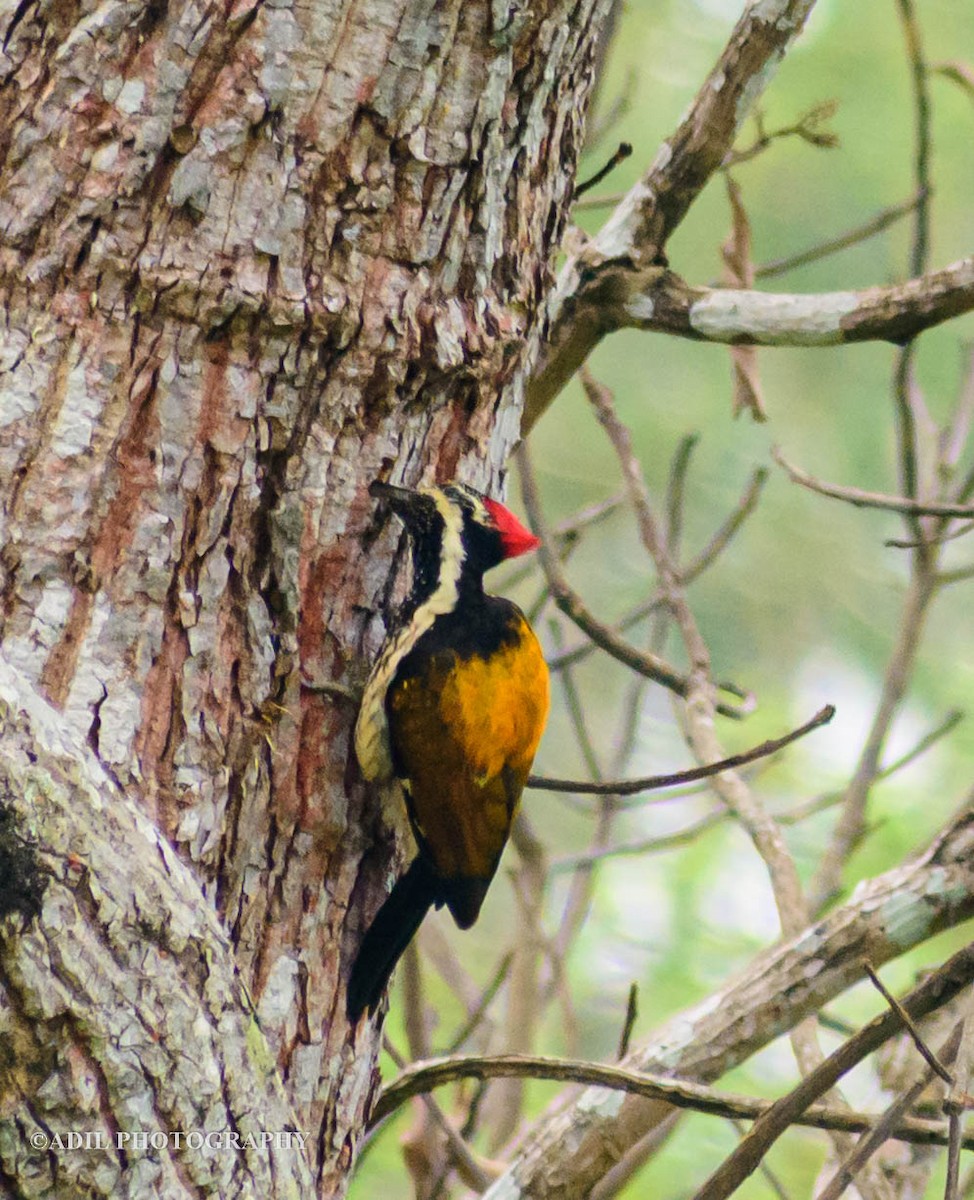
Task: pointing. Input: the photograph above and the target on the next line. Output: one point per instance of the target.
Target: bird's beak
(407, 504)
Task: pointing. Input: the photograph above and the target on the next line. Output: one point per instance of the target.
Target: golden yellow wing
(464, 731)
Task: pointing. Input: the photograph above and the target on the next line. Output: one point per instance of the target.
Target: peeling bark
(252, 257)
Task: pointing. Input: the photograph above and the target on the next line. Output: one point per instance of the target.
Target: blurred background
(802, 609)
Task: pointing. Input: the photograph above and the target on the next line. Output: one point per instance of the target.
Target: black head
(457, 534)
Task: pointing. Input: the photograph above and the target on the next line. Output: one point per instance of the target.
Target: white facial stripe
(372, 746)
(452, 553)
(479, 512)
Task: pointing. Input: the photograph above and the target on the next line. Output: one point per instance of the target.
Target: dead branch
(783, 985)
(629, 787)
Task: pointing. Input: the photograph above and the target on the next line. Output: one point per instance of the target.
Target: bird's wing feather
(465, 730)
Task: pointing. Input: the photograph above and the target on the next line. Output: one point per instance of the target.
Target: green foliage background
(804, 606)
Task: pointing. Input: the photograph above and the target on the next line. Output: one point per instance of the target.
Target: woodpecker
(454, 709)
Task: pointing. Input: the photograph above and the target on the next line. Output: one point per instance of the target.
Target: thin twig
(473, 1020)
(629, 787)
(608, 200)
(852, 823)
(568, 533)
(870, 1142)
(947, 725)
(576, 654)
(414, 1022)
(676, 491)
(861, 499)
(955, 1125)
(623, 152)
(959, 1096)
(572, 605)
(903, 380)
(947, 578)
(955, 439)
(939, 540)
(808, 127)
(852, 237)
(503, 1105)
(818, 803)
(769, 1176)
(720, 540)
(958, 1099)
(921, 109)
(632, 1011)
(908, 456)
(724, 535)
(649, 845)
(579, 899)
(927, 1054)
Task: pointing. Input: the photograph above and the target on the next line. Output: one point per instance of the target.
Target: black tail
(389, 935)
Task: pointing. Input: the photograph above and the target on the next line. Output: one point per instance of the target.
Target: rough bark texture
(112, 1025)
(251, 257)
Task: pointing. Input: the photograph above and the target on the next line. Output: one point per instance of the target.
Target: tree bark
(123, 1013)
(251, 257)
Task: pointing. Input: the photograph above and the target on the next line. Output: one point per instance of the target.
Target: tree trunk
(251, 257)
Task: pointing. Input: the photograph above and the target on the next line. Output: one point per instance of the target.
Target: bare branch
(861, 499)
(572, 605)
(810, 127)
(921, 108)
(935, 991)
(632, 1011)
(739, 273)
(953, 1156)
(959, 1097)
(574, 654)
(489, 992)
(842, 241)
(910, 1025)
(630, 244)
(780, 987)
(719, 542)
(676, 490)
(579, 899)
(658, 300)
(870, 1142)
(654, 208)
(648, 845)
(629, 787)
(957, 72)
(724, 535)
(668, 304)
(939, 540)
(422, 1077)
(954, 439)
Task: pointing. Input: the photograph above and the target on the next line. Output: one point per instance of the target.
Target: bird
(454, 708)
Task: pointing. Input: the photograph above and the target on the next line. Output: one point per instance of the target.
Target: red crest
(514, 537)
